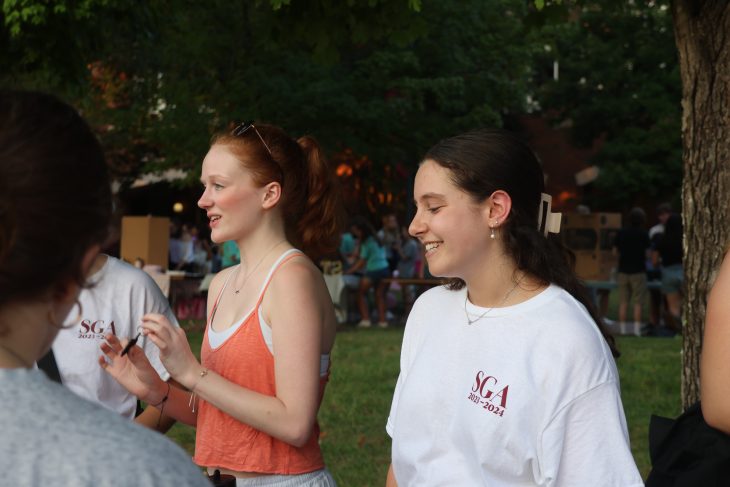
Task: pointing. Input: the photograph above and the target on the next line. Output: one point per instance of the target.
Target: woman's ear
(498, 208)
(271, 195)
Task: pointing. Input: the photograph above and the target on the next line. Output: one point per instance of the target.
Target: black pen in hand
(129, 345)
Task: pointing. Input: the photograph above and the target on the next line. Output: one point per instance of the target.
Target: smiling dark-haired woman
(507, 376)
(55, 205)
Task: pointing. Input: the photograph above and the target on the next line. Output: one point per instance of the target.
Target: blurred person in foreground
(714, 363)
(55, 194)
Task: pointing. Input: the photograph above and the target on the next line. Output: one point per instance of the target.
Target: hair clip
(547, 221)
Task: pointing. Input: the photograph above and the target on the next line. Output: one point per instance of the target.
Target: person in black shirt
(631, 244)
(668, 249)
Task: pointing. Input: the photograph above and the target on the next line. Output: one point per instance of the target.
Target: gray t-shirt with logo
(51, 437)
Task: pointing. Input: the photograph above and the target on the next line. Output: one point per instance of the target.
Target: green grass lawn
(365, 368)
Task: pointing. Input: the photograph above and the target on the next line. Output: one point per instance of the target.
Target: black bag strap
(48, 364)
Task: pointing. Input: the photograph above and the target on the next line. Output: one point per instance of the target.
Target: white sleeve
(155, 302)
(405, 361)
(389, 425)
(587, 443)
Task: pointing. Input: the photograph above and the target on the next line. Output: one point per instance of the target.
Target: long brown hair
(55, 197)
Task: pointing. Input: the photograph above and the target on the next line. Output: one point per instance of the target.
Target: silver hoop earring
(55, 322)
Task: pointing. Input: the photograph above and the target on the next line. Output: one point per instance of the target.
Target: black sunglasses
(244, 127)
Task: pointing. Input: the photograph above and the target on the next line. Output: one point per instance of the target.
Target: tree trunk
(702, 34)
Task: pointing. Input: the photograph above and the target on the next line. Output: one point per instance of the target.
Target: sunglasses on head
(245, 127)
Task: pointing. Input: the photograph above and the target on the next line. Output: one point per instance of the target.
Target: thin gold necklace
(15, 355)
(238, 271)
(506, 297)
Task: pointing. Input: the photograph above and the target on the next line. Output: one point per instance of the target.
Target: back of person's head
(390, 221)
(637, 217)
(663, 209)
(484, 161)
(673, 228)
(55, 196)
(310, 202)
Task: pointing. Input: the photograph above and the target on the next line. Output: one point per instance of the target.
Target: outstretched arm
(714, 363)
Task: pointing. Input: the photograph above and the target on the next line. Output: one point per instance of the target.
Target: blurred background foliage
(376, 81)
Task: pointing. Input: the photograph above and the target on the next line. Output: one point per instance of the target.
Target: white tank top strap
(217, 338)
(324, 359)
(273, 269)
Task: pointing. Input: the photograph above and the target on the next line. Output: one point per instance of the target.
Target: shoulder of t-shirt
(561, 311)
(429, 301)
(117, 268)
(566, 317)
(125, 274)
(128, 278)
(137, 448)
(96, 430)
(566, 302)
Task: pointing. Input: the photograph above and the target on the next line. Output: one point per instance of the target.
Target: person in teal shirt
(372, 259)
(230, 255)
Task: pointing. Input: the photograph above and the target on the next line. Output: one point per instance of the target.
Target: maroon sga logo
(96, 329)
(488, 393)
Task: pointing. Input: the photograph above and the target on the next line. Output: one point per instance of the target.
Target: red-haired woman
(271, 323)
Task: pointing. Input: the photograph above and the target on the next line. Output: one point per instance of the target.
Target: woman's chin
(218, 237)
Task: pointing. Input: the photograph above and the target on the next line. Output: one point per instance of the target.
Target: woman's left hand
(175, 351)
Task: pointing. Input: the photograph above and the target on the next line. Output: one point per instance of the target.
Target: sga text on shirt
(485, 392)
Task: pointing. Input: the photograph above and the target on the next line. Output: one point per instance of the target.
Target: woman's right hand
(133, 370)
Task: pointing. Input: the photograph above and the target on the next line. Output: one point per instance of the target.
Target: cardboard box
(591, 238)
(146, 237)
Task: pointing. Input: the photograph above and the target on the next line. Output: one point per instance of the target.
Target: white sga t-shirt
(120, 295)
(526, 396)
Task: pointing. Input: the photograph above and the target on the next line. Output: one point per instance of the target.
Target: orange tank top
(222, 441)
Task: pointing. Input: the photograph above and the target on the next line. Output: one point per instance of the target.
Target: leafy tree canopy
(619, 82)
(383, 78)
(372, 78)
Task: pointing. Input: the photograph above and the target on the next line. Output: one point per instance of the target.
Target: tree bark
(702, 34)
